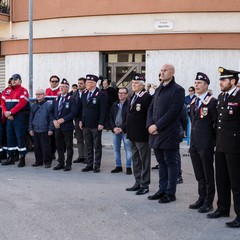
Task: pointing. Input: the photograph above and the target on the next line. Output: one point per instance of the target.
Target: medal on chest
(138, 107)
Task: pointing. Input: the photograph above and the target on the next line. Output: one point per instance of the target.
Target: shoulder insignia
(96, 94)
(207, 100)
(193, 101)
(235, 92)
(142, 93)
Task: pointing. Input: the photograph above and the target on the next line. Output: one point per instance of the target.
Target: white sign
(163, 25)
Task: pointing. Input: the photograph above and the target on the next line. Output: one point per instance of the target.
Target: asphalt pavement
(38, 203)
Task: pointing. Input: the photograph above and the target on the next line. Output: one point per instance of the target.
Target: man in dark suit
(64, 110)
(227, 154)
(92, 118)
(82, 152)
(163, 125)
(137, 133)
(203, 118)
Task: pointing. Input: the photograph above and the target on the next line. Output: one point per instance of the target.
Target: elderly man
(163, 125)
(203, 118)
(41, 128)
(227, 154)
(138, 134)
(64, 110)
(92, 118)
(15, 107)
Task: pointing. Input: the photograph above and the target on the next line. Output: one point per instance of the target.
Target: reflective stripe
(22, 96)
(3, 97)
(5, 148)
(12, 148)
(12, 100)
(1, 149)
(21, 149)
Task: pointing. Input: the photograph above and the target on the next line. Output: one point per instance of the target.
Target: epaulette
(207, 100)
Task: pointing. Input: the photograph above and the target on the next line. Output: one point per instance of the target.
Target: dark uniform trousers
(202, 160)
(82, 151)
(227, 178)
(93, 142)
(168, 170)
(42, 148)
(61, 144)
(141, 159)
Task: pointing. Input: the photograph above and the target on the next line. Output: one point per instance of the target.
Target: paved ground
(38, 203)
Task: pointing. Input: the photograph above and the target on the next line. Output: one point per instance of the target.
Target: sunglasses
(54, 81)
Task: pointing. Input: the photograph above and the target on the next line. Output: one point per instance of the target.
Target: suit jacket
(93, 110)
(68, 112)
(228, 123)
(203, 122)
(113, 114)
(164, 112)
(137, 116)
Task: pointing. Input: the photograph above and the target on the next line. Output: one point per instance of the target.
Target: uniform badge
(204, 111)
(231, 112)
(138, 107)
(67, 105)
(94, 101)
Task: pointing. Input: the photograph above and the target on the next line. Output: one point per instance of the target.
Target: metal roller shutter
(2, 73)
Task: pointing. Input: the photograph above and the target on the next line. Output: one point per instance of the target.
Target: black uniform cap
(203, 77)
(226, 73)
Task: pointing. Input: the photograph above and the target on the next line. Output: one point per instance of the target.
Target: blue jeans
(117, 138)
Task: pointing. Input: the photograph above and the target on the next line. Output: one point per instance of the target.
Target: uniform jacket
(68, 112)
(203, 122)
(164, 112)
(137, 116)
(41, 117)
(93, 110)
(113, 114)
(228, 123)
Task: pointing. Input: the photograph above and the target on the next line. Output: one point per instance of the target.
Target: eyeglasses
(122, 93)
(54, 81)
(37, 94)
(190, 90)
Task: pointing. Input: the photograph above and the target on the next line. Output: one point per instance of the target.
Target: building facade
(117, 38)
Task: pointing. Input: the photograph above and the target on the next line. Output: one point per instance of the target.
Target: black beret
(203, 77)
(92, 77)
(139, 77)
(65, 81)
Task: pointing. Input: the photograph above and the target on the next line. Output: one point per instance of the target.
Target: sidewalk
(42, 204)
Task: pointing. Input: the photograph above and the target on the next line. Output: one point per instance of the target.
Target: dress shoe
(179, 180)
(79, 160)
(59, 167)
(96, 170)
(37, 164)
(87, 169)
(142, 191)
(156, 167)
(234, 224)
(67, 168)
(205, 208)
(9, 161)
(117, 169)
(128, 171)
(133, 188)
(217, 214)
(156, 196)
(167, 198)
(47, 166)
(197, 204)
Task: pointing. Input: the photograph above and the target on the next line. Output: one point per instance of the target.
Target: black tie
(133, 100)
(226, 95)
(61, 104)
(196, 104)
(89, 96)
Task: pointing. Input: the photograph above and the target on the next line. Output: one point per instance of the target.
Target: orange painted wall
(121, 43)
(72, 8)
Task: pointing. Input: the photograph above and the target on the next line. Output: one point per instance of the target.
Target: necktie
(61, 104)
(226, 95)
(196, 104)
(89, 96)
(133, 100)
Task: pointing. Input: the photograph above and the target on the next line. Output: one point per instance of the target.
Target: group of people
(143, 122)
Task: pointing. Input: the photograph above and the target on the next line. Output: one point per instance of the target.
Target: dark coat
(68, 112)
(203, 122)
(137, 116)
(113, 114)
(93, 112)
(164, 112)
(228, 123)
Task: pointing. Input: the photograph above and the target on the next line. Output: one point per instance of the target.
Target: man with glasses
(15, 107)
(118, 118)
(41, 128)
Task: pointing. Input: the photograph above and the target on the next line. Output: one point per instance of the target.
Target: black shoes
(21, 161)
(133, 188)
(47, 166)
(217, 214)
(79, 160)
(59, 167)
(128, 171)
(167, 198)
(96, 170)
(156, 167)
(205, 208)
(9, 161)
(87, 169)
(197, 204)
(67, 168)
(156, 196)
(234, 224)
(142, 191)
(117, 169)
(37, 164)
(179, 180)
